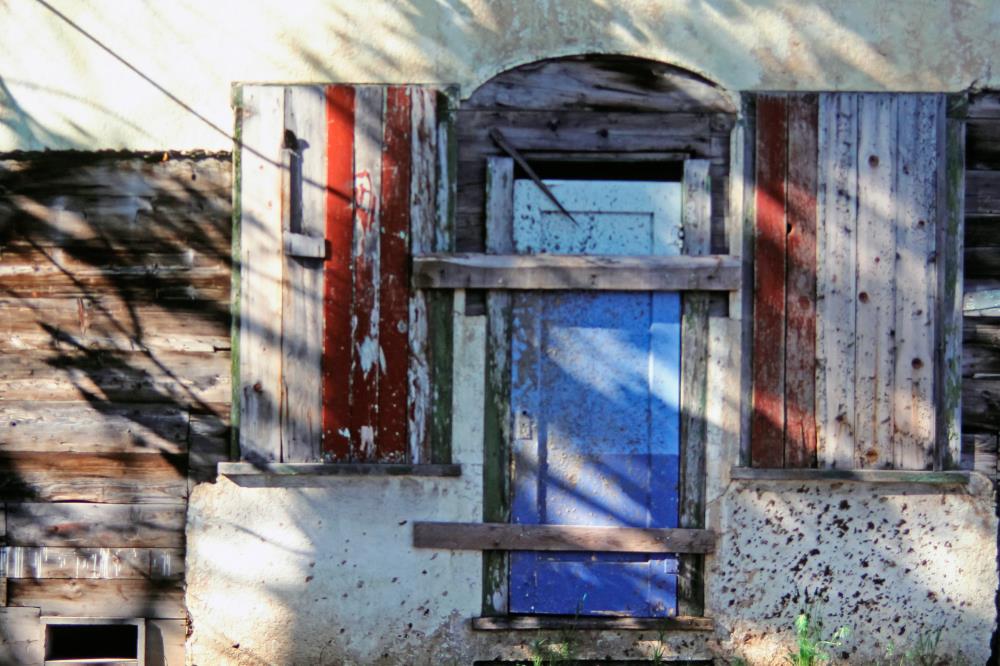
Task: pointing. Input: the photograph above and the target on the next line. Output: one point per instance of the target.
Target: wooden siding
(851, 359)
(114, 376)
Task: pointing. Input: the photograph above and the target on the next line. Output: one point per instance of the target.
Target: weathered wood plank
(113, 323)
(337, 280)
(747, 232)
(236, 469)
(39, 562)
(506, 536)
(916, 282)
(874, 342)
(207, 447)
(562, 623)
(979, 453)
(186, 379)
(302, 246)
(261, 270)
(855, 475)
(120, 598)
(952, 188)
(497, 414)
(304, 215)
(983, 145)
(981, 404)
(549, 271)
(165, 642)
(696, 222)
(422, 210)
(22, 639)
(80, 427)
(800, 297)
(982, 193)
(394, 236)
(115, 478)
(366, 308)
(836, 278)
(96, 525)
(768, 420)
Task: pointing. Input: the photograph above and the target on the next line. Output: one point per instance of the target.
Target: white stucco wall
(327, 575)
(66, 85)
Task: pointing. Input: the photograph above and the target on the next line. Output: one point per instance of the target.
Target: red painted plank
(768, 418)
(800, 323)
(337, 271)
(365, 351)
(394, 294)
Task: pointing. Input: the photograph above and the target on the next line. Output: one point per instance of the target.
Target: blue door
(595, 389)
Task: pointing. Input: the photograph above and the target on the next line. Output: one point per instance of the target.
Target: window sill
(949, 478)
(563, 622)
(245, 469)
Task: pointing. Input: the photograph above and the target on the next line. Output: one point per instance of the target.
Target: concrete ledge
(565, 622)
(951, 478)
(242, 469)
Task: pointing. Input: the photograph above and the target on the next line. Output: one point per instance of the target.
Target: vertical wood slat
(836, 277)
(768, 418)
(365, 312)
(393, 362)
(337, 279)
(423, 207)
(496, 454)
(304, 212)
(745, 310)
(696, 221)
(950, 231)
(800, 284)
(261, 272)
(875, 345)
(916, 283)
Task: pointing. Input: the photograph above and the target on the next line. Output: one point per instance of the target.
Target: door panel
(595, 393)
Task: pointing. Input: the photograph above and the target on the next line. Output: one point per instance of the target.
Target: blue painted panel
(595, 394)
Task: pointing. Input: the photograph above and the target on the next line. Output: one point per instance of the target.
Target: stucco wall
(326, 574)
(67, 79)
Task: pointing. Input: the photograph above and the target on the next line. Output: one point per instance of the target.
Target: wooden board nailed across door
(595, 401)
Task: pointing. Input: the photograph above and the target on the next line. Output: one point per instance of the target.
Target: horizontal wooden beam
(858, 475)
(301, 245)
(336, 469)
(550, 271)
(559, 623)
(505, 536)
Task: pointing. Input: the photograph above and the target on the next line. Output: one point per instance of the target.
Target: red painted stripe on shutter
(800, 330)
(394, 282)
(337, 271)
(767, 421)
(366, 353)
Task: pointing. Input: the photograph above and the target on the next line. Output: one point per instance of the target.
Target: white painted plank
(423, 216)
(261, 272)
(875, 343)
(836, 279)
(302, 311)
(916, 282)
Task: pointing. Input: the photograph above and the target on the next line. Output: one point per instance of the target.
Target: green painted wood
(930, 477)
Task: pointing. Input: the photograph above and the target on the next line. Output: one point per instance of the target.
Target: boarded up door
(594, 395)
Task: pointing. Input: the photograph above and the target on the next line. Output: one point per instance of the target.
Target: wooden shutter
(337, 186)
(856, 319)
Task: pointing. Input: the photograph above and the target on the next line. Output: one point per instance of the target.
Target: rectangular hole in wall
(96, 643)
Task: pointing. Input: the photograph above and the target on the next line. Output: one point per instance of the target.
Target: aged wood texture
(800, 283)
(696, 223)
(337, 281)
(95, 525)
(875, 345)
(304, 214)
(859, 475)
(92, 563)
(546, 271)
(262, 270)
(916, 283)
(768, 422)
(497, 432)
(504, 536)
(121, 598)
(556, 623)
(836, 278)
(598, 109)
(22, 638)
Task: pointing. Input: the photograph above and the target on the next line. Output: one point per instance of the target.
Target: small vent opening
(94, 642)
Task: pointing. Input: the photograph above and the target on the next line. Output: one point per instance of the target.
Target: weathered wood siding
(114, 376)
(981, 329)
(855, 262)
